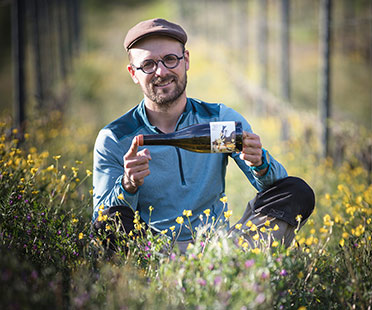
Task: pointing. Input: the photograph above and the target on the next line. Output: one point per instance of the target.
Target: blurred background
(300, 71)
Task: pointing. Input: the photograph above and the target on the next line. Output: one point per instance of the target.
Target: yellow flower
(298, 218)
(302, 308)
(256, 237)
(172, 228)
(223, 199)
(267, 223)
(345, 235)
(63, 178)
(56, 157)
(263, 229)
(342, 242)
(187, 213)
(256, 251)
(179, 220)
(300, 275)
(275, 244)
(238, 226)
(151, 208)
(228, 214)
(75, 220)
(88, 172)
(121, 196)
(245, 245)
(33, 171)
(101, 207)
(50, 168)
(163, 232)
(253, 227)
(81, 236)
(249, 224)
(207, 212)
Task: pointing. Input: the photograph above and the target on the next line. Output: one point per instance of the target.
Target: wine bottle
(213, 137)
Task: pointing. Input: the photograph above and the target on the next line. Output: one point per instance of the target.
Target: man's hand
(136, 167)
(252, 151)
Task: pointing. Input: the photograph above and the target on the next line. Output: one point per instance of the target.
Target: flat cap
(157, 26)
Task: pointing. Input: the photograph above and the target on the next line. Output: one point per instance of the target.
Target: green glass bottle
(213, 137)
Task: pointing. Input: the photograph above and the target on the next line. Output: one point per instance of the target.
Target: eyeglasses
(149, 66)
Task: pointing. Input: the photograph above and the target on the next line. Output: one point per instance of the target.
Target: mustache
(157, 80)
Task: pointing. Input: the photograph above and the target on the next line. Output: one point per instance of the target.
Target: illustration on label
(222, 137)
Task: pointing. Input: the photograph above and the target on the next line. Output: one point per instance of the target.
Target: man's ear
(132, 74)
(187, 59)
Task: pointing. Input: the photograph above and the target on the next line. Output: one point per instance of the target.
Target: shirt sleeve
(108, 169)
(275, 172)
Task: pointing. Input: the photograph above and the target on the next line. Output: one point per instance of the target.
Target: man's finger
(145, 153)
(133, 148)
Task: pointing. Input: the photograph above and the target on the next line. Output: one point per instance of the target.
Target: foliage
(50, 252)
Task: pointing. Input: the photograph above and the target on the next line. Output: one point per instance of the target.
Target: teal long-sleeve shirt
(179, 179)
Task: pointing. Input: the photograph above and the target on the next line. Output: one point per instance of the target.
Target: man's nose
(161, 70)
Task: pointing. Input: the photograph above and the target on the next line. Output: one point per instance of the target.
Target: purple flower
(19, 197)
(26, 201)
(249, 263)
(147, 248)
(264, 275)
(283, 272)
(202, 282)
(10, 202)
(217, 280)
(173, 256)
(58, 232)
(29, 218)
(149, 243)
(202, 244)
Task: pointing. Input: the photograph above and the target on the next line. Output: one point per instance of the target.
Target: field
(51, 258)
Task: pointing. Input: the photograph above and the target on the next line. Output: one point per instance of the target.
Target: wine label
(223, 137)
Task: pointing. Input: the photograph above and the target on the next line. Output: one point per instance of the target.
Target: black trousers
(285, 200)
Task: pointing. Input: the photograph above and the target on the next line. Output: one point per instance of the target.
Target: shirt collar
(143, 115)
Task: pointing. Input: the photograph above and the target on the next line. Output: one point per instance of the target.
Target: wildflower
(101, 207)
(275, 244)
(163, 232)
(187, 213)
(78, 162)
(50, 168)
(267, 223)
(253, 227)
(33, 170)
(224, 199)
(207, 212)
(121, 196)
(63, 178)
(327, 220)
(300, 275)
(342, 242)
(238, 226)
(249, 263)
(283, 273)
(263, 229)
(172, 228)
(256, 251)
(56, 157)
(245, 245)
(88, 172)
(81, 236)
(302, 308)
(298, 218)
(276, 227)
(256, 237)
(75, 221)
(249, 224)
(138, 226)
(227, 214)
(179, 220)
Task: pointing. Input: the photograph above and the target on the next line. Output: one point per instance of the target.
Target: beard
(164, 98)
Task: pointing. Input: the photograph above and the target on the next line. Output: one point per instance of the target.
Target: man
(127, 177)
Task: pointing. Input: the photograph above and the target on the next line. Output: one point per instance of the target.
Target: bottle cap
(140, 140)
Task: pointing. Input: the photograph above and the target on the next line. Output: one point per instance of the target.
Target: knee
(302, 194)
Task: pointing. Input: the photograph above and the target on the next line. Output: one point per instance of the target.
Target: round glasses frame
(154, 64)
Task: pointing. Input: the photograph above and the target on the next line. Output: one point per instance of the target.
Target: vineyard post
(325, 86)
